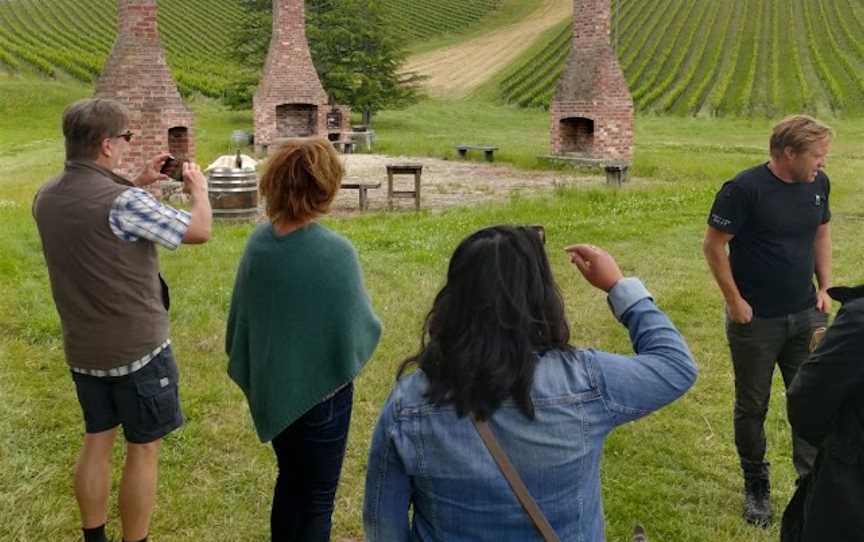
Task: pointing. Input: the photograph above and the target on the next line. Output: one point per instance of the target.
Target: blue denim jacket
(424, 456)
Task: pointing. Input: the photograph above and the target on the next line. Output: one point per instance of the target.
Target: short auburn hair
(301, 179)
(86, 123)
(798, 132)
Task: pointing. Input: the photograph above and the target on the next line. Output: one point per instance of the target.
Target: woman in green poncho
(300, 329)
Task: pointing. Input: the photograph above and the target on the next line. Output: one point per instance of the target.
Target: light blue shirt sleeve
(136, 214)
(662, 368)
(388, 486)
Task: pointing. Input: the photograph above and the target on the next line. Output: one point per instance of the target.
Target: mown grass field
(675, 472)
(733, 58)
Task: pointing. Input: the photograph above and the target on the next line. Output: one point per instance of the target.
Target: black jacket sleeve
(831, 377)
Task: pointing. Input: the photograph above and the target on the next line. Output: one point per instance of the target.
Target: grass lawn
(676, 471)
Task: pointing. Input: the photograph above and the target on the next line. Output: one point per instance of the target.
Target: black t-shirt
(774, 224)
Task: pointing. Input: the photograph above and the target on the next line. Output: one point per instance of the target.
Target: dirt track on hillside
(456, 71)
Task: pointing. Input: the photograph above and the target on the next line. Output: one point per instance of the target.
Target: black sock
(96, 534)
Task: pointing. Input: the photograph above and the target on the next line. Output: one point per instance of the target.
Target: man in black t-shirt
(774, 218)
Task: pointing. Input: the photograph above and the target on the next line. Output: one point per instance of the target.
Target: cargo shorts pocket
(158, 401)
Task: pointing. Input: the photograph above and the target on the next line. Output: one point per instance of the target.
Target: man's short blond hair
(301, 179)
(798, 132)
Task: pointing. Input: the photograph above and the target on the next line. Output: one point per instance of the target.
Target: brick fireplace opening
(296, 120)
(136, 74)
(290, 100)
(577, 135)
(592, 111)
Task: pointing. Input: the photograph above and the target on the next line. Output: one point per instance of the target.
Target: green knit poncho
(300, 324)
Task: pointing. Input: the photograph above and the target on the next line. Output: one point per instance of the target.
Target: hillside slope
(419, 20)
(686, 57)
(60, 38)
(456, 70)
(72, 38)
(736, 57)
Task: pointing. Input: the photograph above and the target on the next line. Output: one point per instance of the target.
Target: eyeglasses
(127, 135)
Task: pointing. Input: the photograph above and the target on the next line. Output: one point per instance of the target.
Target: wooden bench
(617, 173)
(362, 187)
(362, 140)
(488, 151)
(344, 146)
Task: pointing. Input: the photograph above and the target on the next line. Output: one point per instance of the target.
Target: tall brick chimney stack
(136, 74)
(592, 23)
(290, 100)
(592, 111)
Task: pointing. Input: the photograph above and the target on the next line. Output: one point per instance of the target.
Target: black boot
(757, 502)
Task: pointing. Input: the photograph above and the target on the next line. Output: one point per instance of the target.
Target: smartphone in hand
(173, 167)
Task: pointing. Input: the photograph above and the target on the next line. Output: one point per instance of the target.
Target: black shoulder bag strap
(516, 484)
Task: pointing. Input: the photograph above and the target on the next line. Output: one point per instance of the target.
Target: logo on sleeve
(818, 200)
(719, 221)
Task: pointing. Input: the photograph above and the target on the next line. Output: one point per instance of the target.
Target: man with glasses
(99, 235)
(774, 218)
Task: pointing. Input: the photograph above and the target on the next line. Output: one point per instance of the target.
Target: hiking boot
(757, 502)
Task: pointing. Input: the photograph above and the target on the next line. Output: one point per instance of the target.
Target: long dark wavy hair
(499, 309)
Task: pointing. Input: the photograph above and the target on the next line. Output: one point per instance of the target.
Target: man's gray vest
(108, 292)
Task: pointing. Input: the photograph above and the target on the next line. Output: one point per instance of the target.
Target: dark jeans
(310, 453)
(755, 347)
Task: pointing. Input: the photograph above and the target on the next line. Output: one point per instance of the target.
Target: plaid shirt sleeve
(136, 214)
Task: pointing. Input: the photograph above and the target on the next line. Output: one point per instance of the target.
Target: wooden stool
(404, 169)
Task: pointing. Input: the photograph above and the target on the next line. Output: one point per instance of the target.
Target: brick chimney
(137, 76)
(290, 100)
(592, 111)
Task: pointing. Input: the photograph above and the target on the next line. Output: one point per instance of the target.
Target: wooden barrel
(233, 192)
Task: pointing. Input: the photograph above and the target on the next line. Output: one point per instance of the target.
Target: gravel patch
(447, 183)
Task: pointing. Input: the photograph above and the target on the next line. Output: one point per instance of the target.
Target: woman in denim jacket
(495, 346)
